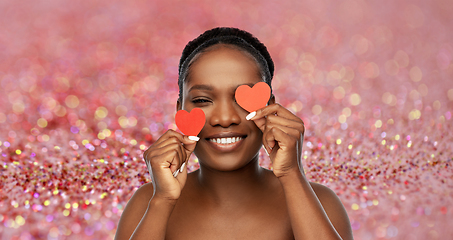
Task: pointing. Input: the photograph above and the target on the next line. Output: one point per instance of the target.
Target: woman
(230, 196)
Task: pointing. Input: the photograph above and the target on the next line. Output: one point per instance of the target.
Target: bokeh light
(87, 86)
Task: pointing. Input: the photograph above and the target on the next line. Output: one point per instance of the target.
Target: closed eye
(200, 100)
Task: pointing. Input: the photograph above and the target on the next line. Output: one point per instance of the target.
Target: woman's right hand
(163, 159)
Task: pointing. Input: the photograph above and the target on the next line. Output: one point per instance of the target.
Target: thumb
(189, 144)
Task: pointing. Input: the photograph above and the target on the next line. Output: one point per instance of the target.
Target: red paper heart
(190, 123)
(252, 99)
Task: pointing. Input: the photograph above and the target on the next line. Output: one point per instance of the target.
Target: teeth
(225, 140)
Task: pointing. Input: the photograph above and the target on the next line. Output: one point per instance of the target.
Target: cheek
(186, 104)
(259, 135)
(256, 133)
(207, 114)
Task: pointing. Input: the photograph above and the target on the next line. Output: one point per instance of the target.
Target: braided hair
(240, 39)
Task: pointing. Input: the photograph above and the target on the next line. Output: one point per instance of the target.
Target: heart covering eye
(191, 123)
(252, 99)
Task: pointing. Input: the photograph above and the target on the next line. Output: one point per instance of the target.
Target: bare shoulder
(134, 211)
(322, 191)
(328, 198)
(334, 209)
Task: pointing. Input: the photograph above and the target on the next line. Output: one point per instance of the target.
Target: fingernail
(266, 151)
(182, 167)
(194, 138)
(175, 174)
(251, 115)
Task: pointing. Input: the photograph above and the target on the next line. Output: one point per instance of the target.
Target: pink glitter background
(86, 86)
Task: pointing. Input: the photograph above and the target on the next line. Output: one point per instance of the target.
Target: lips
(226, 142)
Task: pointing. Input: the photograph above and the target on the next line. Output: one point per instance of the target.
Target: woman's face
(227, 141)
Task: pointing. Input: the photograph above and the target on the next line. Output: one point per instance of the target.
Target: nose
(225, 114)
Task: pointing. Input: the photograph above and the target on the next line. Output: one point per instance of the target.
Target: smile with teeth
(225, 141)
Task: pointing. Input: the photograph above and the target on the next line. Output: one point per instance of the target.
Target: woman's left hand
(283, 134)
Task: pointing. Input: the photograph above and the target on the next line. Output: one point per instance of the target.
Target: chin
(226, 161)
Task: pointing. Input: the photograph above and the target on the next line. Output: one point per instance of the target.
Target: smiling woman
(230, 196)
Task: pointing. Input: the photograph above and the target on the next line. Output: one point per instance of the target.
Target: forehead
(223, 65)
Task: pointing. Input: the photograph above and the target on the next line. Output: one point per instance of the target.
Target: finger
(186, 149)
(268, 141)
(183, 168)
(163, 141)
(171, 144)
(169, 133)
(182, 176)
(154, 151)
(277, 120)
(183, 165)
(175, 173)
(188, 144)
(276, 136)
(146, 153)
(184, 154)
(260, 123)
(166, 167)
(293, 132)
(173, 134)
(169, 141)
(273, 109)
(182, 159)
(184, 138)
(172, 163)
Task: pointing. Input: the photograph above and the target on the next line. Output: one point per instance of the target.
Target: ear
(271, 100)
(178, 105)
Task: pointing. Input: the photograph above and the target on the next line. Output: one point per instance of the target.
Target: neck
(225, 187)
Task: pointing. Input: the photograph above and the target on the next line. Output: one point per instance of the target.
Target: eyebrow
(201, 87)
(210, 88)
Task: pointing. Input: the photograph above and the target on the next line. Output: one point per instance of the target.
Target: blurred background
(87, 86)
